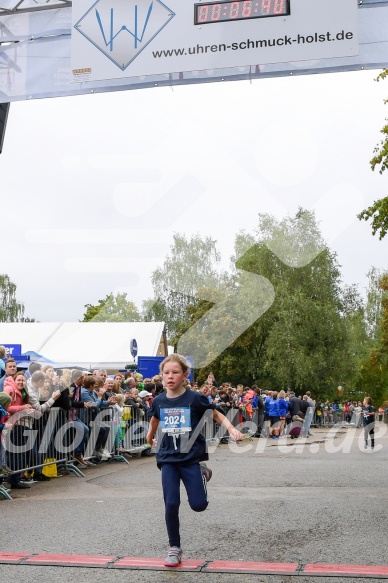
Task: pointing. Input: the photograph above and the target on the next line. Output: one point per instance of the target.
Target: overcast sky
(93, 187)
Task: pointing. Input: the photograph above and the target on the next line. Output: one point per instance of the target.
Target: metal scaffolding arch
(8, 7)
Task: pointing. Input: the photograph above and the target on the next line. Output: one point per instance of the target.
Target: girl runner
(182, 451)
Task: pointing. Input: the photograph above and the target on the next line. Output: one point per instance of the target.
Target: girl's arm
(16, 408)
(222, 420)
(154, 424)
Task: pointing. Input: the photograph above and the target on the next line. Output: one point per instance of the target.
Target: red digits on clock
(266, 6)
(247, 9)
(216, 11)
(279, 7)
(203, 13)
(233, 12)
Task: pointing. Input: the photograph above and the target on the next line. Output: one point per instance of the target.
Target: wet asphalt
(319, 500)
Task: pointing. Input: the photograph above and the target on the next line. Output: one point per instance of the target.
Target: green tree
(114, 308)
(374, 368)
(10, 309)
(190, 265)
(373, 308)
(384, 319)
(378, 211)
(302, 340)
(224, 321)
(360, 343)
(305, 337)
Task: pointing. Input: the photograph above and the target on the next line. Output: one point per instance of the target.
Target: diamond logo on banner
(121, 29)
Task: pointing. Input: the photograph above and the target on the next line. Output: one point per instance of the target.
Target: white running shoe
(174, 557)
(206, 471)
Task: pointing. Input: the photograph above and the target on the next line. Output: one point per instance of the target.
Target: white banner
(117, 39)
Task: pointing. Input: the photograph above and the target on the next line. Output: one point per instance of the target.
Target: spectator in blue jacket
(274, 415)
(283, 410)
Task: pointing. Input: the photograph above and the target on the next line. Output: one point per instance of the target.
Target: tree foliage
(114, 308)
(10, 309)
(374, 367)
(191, 264)
(383, 348)
(302, 340)
(303, 334)
(373, 309)
(378, 211)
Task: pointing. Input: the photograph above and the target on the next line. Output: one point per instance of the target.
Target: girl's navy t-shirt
(180, 422)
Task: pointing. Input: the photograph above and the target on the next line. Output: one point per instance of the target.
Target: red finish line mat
(252, 567)
(195, 565)
(70, 560)
(346, 570)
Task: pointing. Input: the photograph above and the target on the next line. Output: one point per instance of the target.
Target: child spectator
(224, 403)
(146, 399)
(150, 388)
(248, 398)
(319, 414)
(118, 409)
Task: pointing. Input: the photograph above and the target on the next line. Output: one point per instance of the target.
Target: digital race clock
(239, 10)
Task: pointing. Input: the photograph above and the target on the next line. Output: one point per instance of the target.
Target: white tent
(89, 345)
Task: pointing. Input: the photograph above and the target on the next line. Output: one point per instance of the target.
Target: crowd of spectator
(274, 414)
(83, 397)
(277, 414)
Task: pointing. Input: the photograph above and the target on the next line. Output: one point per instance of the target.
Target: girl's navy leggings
(195, 485)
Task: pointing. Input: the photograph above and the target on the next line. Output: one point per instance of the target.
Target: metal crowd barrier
(331, 417)
(135, 432)
(118, 437)
(215, 434)
(38, 441)
(133, 429)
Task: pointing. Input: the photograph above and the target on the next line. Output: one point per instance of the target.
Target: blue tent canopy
(31, 356)
(35, 357)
